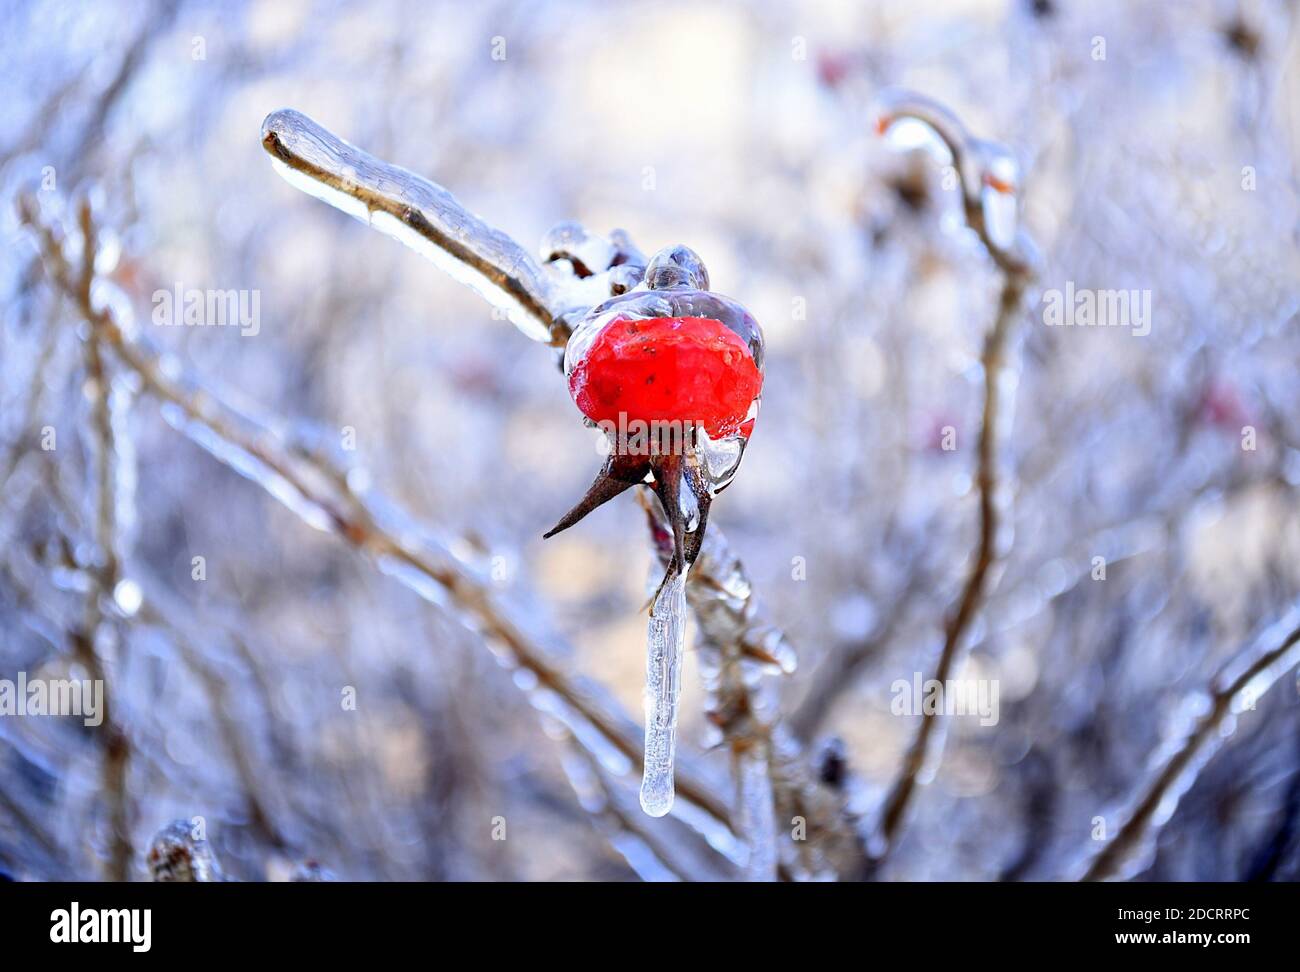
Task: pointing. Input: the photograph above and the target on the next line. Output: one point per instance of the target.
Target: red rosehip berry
(673, 373)
(689, 370)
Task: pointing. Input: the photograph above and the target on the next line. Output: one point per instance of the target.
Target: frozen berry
(689, 370)
(673, 373)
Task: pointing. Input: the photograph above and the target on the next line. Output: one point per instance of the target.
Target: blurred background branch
(975, 163)
(1236, 689)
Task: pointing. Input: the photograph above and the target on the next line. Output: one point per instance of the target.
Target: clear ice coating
(415, 211)
(663, 687)
(1001, 176)
(756, 813)
(989, 173)
(676, 286)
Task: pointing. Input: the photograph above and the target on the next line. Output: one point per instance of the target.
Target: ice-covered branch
(986, 172)
(1237, 687)
(323, 497)
(419, 213)
(983, 168)
(77, 284)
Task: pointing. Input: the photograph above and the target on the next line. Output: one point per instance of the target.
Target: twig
(1237, 687)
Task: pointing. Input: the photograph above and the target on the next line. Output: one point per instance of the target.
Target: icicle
(755, 813)
(663, 686)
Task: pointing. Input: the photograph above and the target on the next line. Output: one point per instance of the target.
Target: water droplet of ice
(721, 458)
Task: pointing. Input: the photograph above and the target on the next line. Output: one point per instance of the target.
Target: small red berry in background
(833, 67)
(1221, 406)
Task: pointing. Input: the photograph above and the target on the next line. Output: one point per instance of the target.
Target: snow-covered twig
(1237, 687)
